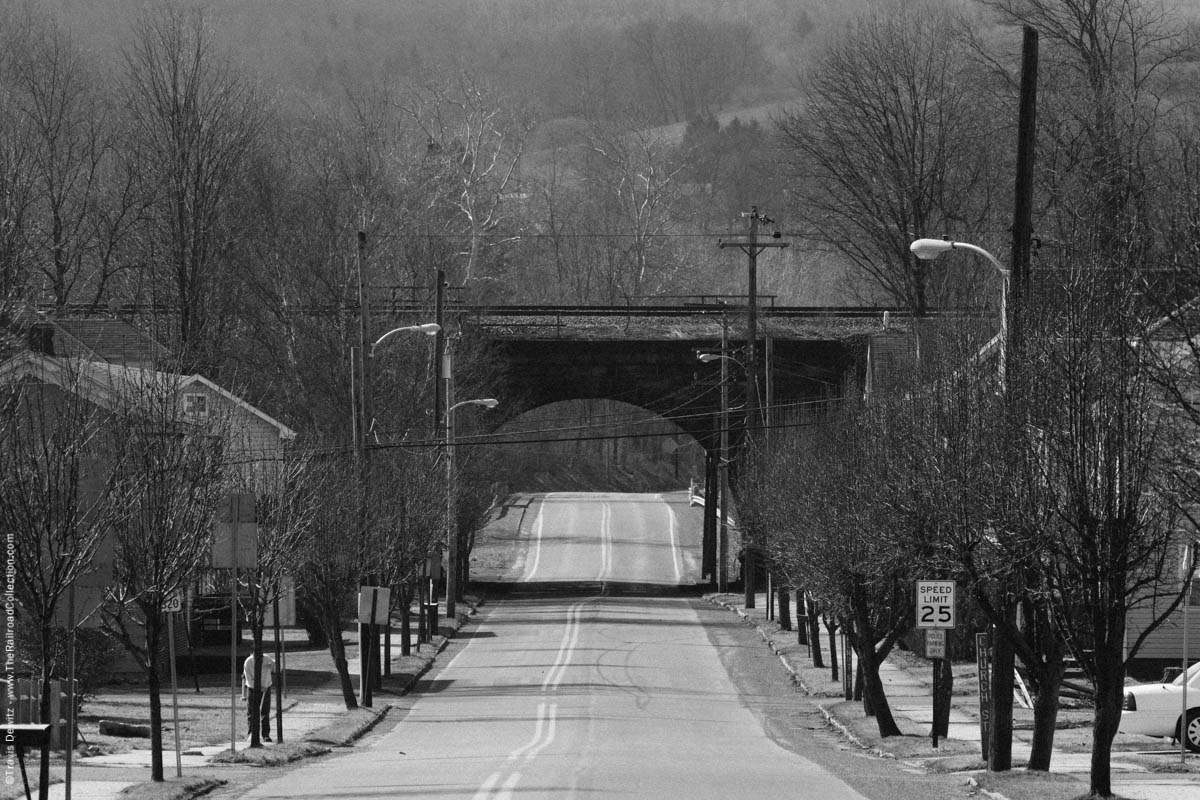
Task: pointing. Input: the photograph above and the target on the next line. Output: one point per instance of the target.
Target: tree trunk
(864, 638)
(406, 619)
(255, 695)
(44, 706)
(785, 609)
(153, 638)
(1045, 716)
(1003, 678)
(831, 628)
(874, 695)
(814, 635)
(1110, 692)
(337, 649)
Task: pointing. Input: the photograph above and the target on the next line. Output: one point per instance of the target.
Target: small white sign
(173, 604)
(935, 643)
(373, 604)
(935, 604)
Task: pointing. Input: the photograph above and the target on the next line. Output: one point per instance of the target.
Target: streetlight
(451, 529)
(428, 328)
(929, 249)
(365, 422)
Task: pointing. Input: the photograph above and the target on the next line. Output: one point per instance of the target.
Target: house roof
(104, 383)
(109, 339)
(113, 340)
(192, 380)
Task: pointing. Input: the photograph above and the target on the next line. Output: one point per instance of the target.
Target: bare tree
(894, 141)
(632, 177)
(689, 67)
(171, 476)
(286, 497)
(17, 183)
(330, 566)
(832, 528)
(53, 502)
(194, 125)
(85, 203)
(479, 145)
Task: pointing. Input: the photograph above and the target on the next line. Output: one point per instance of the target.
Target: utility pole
(362, 430)
(1003, 657)
(751, 246)
(723, 466)
(451, 567)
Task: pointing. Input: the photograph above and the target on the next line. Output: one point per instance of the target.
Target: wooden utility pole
(362, 431)
(752, 246)
(1003, 657)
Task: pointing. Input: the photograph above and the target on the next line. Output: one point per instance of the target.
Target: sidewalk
(305, 711)
(911, 701)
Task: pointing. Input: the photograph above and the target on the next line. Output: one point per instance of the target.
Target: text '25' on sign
(935, 604)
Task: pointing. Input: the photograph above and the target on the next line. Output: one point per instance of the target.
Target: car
(1153, 709)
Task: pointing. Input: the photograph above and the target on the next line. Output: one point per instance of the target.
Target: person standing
(258, 708)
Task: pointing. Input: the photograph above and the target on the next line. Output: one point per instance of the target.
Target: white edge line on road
(674, 528)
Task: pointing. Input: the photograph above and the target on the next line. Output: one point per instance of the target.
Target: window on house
(195, 406)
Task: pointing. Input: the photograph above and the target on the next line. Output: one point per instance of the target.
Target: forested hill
(673, 59)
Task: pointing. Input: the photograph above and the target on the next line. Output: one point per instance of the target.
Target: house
(1175, 340)
(107, 363)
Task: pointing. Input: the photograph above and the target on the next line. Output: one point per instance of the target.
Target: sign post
(983, 655)
(935, 613)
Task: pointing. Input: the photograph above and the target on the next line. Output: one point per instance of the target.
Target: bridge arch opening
(597, 445)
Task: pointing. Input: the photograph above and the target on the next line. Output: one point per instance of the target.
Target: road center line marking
(551, 723)
(538, 524)
(485, 789)
(506, 791)
(569, 641)
(605, 542)
(537, 736)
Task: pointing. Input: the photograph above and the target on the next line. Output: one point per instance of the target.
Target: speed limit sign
(935, 604)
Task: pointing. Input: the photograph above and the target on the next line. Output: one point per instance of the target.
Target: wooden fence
(19, 702)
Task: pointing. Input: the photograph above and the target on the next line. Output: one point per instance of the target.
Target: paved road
(553, 694)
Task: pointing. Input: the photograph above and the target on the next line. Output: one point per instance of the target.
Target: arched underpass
(598, 445)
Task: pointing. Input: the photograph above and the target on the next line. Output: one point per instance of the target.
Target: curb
(831, 719)
(797, 681)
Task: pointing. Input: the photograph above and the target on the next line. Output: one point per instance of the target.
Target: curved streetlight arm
(429, 329)
(486, 402)
(708, 358)
(929, 249)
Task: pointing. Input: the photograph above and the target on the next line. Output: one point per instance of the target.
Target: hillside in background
(546, 54)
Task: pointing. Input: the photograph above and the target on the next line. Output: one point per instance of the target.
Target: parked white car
(1153, 709)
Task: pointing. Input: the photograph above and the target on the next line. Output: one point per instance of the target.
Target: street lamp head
(428, 328)
(486, 402)
(929, 249)
(707, 357)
